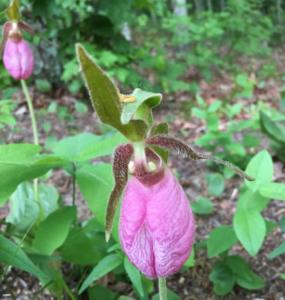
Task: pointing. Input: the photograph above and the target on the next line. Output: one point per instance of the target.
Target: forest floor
(193, 284)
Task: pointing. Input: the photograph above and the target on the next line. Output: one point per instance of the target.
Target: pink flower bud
(18, 58)
(157, 226)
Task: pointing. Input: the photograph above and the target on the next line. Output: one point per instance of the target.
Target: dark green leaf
(202, 206)
(220, 239)
(170, 296)
(53, 231)
(13, 255)
(134, 276)
(101, 292)
(105, 265)
(244, 276)
(215, 184)
(223, 279)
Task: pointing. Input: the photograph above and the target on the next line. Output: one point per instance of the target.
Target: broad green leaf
(215, 184)
(282, 276)
(147, 99)
(105, 97)
(13, 255)
(161, 128)
(250, 229)
(277, 251)
(89, 239)
(252, 200)
(24, 209)
(53, 231)
(86, 146)
(134, 276)
(273, 190)
(21, 162)
(260, 167)
(243, 274)
(101, 292)
(220, 239)
(190, 262)
(271, 128)
(106, 265)
(282, 224)
(223, 279)
(202, 206)
(96, 183)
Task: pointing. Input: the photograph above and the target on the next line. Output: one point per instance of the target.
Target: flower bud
(157, 226)
(18, 58)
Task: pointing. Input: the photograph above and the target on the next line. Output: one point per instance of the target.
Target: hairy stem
(162, 288)
(36, 138)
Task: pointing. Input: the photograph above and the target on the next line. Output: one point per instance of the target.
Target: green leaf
(134, 276)
(260, 167)
(220, 239)
(190, 262)
(89, 239)
(53, 231)
(223, 279)
(202, 206)
(273, 190)
(145, 98)
(106, 265)
(271, 128)
(216, 184)
(250, 229)
(13, 255)
(21, 162)
(96, 183)
(277, 251)
(101, 292)
(252, 200)
(243, 274)
(105, 97)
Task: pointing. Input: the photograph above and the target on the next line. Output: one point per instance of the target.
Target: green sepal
(141, 107)
(13, 11)
(105, 97)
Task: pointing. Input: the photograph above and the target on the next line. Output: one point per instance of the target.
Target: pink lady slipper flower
(17, 55)
(157, 227)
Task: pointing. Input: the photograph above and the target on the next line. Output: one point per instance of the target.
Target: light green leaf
(260, 167)
(243, 274)
(13, 255)
(220, 239)
(216, 184)
(252, 200)
(106, 265)
(273, 190)
(134, 276)
(250, 229)
(271, 128)
(21, 162)
(202, 206)
(277, 251)
(96, 183)
(148, 99)
(53, 231)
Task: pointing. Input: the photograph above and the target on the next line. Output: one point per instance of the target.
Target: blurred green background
(162, 45)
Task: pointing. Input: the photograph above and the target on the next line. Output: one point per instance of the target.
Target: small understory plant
(156, 226)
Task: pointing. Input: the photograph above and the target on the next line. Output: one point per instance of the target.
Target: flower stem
(31, 111)
(36, 139)
(162, 288)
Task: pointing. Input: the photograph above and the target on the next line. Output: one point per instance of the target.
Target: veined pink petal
(156, 226)
(18, 59)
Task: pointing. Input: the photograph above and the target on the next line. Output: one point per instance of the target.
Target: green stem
(31, 111)
(162, 288)
(36, 139)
